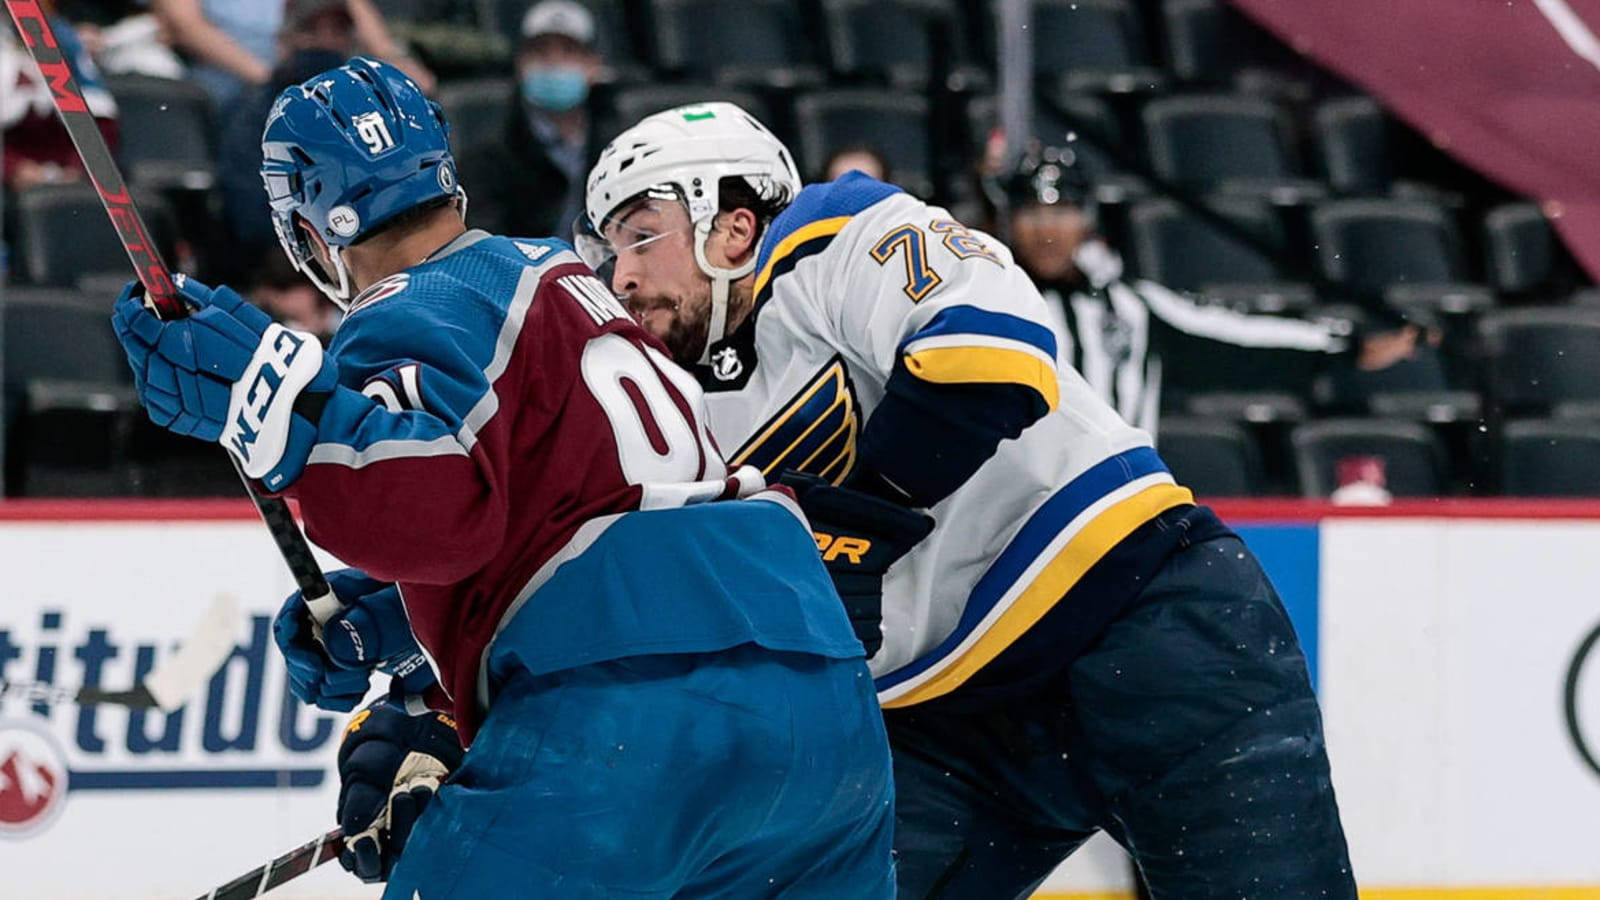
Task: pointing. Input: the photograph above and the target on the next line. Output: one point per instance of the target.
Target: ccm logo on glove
(263, 398)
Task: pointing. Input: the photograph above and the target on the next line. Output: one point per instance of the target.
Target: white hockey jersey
(856, 276)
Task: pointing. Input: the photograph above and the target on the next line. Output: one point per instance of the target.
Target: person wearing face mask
(535, 170)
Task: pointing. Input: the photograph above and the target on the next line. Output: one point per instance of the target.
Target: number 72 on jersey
(911, 243)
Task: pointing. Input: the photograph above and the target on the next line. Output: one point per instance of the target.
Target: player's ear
(739, 235)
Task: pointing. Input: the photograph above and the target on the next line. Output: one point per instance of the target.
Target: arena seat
(894, 123)
(735, 41)
(1551, 457)
(1525, 258)
(1092, 45)
(1352, 145)
(1220, 141)
(1210, 42)
(1539, 357)
(1175, 246)
(889, 40)
(1213, 459)
(476, 109)
(167, 132)
(63, 234)
(69, 398)
(1414, 463)
(1368, 245)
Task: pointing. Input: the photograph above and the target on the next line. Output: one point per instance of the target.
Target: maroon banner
(1509, 87)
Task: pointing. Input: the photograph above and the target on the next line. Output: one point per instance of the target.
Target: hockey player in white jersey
(1075, 645)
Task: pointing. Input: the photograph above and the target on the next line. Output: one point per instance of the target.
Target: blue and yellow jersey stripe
(1049, 556)
(808, 225)
(968, 345)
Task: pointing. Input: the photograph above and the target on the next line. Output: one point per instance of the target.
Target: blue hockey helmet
(346, 151)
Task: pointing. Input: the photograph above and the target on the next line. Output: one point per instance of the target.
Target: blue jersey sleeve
(400, 482)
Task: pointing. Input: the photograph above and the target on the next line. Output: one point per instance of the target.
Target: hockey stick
(169, 684)
(160, 295)
(290, 865)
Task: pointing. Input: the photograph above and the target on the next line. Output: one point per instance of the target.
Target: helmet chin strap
(340, 294)
(721, 285)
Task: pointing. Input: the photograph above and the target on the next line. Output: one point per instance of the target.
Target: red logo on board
(33, 780)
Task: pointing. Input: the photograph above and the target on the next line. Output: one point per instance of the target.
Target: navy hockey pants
(741, 774)
(1188, 732)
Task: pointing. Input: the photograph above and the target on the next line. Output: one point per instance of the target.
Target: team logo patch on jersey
(343, 221)
(814, 433)
(726, 365)
(381, 290)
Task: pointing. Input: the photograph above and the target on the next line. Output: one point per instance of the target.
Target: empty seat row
(1365, 245)
(1537, 457)
(1096, 44)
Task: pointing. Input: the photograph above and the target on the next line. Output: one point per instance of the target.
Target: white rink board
(147, 583)
(1444, 651)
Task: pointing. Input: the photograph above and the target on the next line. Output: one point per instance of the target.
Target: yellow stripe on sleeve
(819, 228)
(986, 365)
(1069, 565)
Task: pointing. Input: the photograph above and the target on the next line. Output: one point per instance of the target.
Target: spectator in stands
(857, 157)
(233, 43)
(1113, 331)
(124, 37)
(317, 35)
(37, 148)
(533, 175)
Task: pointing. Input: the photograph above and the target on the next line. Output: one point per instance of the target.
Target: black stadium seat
(894, 123)
(1541, 357)
(63, 234)
(1084, 122)
(1212, 458)
(69, 401)
(1368, 245)
(1413, 460)
(736, 41)
(1092, 45)
(477, 110)
(1550, 458)
(1524, 255)
(1177, 247)
(1210, 42)
(888, 40)
(1353, 144)
(1218, 140)
(167, 132)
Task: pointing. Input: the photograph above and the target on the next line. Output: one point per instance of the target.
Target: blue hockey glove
(370, 632)
(390, 764)
(228, 373)
(860, 536)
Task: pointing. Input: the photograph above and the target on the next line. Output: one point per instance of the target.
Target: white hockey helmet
(686, 152)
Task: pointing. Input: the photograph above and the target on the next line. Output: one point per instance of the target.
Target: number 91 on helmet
(344, 154)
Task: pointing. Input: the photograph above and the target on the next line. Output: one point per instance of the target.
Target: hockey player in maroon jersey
(658, 688)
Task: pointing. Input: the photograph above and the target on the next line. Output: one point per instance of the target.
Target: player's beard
(684, 331)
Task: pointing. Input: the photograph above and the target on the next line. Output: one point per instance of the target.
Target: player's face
(1043, 239)
(656, 275)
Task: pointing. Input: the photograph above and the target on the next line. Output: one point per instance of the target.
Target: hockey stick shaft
(44, 692)
(291, 865)
(160, 294)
